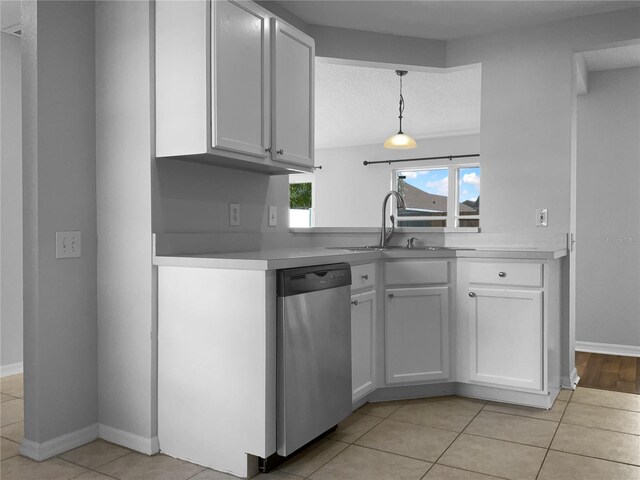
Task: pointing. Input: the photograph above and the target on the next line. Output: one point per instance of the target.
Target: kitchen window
(300, 204)
(440, 197)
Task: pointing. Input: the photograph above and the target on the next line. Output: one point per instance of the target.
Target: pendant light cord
(401, 106)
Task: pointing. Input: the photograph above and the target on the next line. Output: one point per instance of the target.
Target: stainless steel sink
(398, 247)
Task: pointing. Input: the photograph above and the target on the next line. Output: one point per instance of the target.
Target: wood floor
(609, 372)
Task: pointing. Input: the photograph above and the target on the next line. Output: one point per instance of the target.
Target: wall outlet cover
(541, 217)
(273, 216)
(234, 214)
(68, 244)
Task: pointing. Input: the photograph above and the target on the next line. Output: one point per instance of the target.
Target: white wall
(526, 114)
(59, 193)
(608, 196)
(348, 194)
(126, 283)
(11, 206)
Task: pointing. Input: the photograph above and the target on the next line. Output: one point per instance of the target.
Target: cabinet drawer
(503, 273)
(363, 276)
(416, 272)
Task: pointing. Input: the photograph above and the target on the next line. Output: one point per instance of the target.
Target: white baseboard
(608, 349)
(570, 382)
(148, 446)
(55, 446)
(11, 369)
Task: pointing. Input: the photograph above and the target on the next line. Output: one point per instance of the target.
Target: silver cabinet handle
(502, 274)
(391, 295)
(355, 302)
(471, 294)
(268, 149)
(280, 152)
(365, 277)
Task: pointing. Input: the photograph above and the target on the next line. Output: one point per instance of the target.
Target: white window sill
(366, 230)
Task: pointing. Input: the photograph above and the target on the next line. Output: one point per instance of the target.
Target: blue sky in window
(437, 181)
(469, 183)
(431, 181)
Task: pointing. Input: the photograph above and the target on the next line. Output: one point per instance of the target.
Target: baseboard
(570, 382)
(11, 369)
(608, 349)
(148, 446)
(385, 394)
(55, 446)
(496, 394)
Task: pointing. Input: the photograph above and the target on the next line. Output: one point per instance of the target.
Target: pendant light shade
(400, 140)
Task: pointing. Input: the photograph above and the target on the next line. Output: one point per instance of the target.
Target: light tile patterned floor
(588, 435)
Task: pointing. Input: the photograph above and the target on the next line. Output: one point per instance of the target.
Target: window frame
(453, 205)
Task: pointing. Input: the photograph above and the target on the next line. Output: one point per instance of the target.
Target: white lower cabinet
(506, 331)
(363, 325)
(416, 334)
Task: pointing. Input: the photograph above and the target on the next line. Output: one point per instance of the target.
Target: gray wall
(124, 152)
(526, 114)
(608, 222)
(59, 193)
(11, 205)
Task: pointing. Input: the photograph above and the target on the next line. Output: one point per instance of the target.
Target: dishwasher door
(314, 353)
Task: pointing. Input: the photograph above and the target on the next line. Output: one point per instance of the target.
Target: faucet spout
(385, 235)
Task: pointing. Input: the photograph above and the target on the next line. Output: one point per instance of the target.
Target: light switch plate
(234, 214)
(273, 216)
(541, 217)
(68, 244)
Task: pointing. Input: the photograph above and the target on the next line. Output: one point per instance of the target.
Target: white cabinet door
(293, 57)
(506, 335)
(240, 72)
(363, 323)
(417, 334)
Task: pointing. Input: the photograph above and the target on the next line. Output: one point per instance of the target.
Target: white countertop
(300, 257)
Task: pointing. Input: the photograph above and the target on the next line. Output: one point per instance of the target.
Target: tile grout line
(508, 441)
(553, 438)
(596, 458)
(602, 429)
(606, 406)
(454, 441)
(382, 419)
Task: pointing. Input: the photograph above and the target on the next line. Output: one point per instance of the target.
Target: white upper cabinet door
(240, 71)
(363, 324)
(417, 334)
(293, 57)
(506, 336)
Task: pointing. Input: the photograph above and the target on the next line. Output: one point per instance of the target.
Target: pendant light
(400, 140)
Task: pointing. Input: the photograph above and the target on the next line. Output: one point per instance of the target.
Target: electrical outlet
(541, 217)
(234, 214)
(273, 216)
(68, 244)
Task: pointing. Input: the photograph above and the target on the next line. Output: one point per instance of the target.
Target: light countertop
(299, 257)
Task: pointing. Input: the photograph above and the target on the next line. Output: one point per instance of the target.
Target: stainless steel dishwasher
(314, 353)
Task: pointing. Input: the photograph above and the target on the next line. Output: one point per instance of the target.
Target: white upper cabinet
(219, 99)
(293, 79)
(240, 97)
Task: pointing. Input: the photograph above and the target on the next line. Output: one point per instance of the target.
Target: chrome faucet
(385, 235)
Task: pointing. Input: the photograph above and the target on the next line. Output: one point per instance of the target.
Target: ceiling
(443, 20)
(359, 105)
